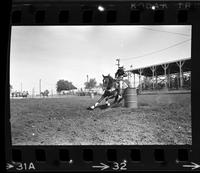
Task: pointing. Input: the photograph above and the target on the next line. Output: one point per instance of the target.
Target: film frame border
(147, 157)
(113, 13)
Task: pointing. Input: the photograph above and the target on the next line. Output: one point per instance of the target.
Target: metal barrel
(130, 98)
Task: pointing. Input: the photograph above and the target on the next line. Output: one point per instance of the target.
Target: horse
(13, 94)
(111, 90)
(45, 93)
(17, 94)
(24, 94)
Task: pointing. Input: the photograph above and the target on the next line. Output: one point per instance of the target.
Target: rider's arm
(116, 75)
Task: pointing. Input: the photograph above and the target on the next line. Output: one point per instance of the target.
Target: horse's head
(107, 82)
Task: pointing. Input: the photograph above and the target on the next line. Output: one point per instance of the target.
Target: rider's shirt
(119, 76)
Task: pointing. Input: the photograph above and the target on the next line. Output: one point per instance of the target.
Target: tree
(64, 85)
(91, 84)
(60, 86)
(70, 86)
(100, 85)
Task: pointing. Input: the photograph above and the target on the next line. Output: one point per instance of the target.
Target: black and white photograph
(101, 85)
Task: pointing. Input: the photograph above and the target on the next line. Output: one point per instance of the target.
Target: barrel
(130, 98)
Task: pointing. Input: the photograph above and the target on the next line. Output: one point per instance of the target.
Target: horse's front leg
(110, 97)
(116, 98)
(107, 103)
(96, 104)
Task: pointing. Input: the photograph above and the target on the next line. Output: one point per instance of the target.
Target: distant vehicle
(20, 94)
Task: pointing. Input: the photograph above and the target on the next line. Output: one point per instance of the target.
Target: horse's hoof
(89, 108)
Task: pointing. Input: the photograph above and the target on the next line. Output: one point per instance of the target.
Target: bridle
(109, 86)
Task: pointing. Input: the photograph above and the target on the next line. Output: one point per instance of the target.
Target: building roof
(172, 68)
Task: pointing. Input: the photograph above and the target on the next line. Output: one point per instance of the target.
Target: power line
(167, 32)
(154, 52)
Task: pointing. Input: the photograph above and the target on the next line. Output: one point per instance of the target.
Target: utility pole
(33, 92)
(21, 87)
(118, 62)
(40, 86)
(87, 83)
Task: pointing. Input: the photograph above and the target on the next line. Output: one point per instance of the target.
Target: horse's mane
(110, 77)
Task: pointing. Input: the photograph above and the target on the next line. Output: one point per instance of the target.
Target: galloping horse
(111, 90)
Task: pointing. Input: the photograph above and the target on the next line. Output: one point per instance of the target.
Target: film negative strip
(103, 86)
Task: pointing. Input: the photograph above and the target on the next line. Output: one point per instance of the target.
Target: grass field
(159, 120)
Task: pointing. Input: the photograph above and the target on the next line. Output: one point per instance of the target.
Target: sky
(51, 53)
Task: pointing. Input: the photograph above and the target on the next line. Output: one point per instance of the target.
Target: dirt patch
(66, 121)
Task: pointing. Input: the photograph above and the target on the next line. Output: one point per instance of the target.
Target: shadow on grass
(103, 106)
(114, 105)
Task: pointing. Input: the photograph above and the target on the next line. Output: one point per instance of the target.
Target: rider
(120, 72)
(119, 77)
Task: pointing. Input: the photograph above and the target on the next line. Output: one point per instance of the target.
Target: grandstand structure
(173, 75)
